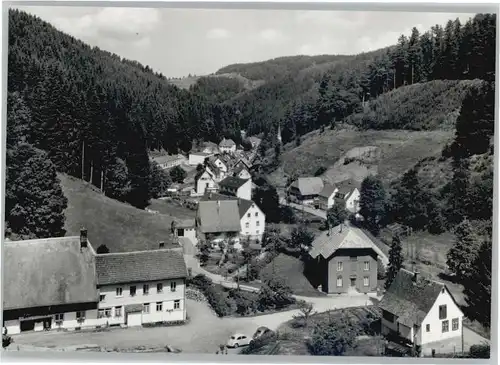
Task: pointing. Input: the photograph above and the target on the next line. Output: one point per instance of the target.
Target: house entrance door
(353, 282)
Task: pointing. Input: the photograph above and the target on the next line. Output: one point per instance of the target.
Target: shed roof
(308, 185)
(218, 216)
(327, 191)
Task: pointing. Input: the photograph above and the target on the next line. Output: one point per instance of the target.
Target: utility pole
(83, 160)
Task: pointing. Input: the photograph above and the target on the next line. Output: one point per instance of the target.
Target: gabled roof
(411, 300)
(233, 182)
(227, 143)
(347, 186)
(308, 185)
(327, 191)
(218, 216)
(254, 140)
(201, 173)
(243, 204)
(43, 272)
(239, 169)
(140, 266)
(327, 243)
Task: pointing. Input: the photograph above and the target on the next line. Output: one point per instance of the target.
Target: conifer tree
(395, 261)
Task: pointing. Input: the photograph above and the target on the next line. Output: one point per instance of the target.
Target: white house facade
(237, 187)
(423, 312)
(252, 220)
(227, 145)
(197, 158)
(205, 182)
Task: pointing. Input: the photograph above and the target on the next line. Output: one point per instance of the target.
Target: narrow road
(317, 212)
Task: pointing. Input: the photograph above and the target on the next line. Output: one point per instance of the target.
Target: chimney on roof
(415, 276)
(83, 238)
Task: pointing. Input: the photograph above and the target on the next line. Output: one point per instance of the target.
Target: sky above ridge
(178, 42)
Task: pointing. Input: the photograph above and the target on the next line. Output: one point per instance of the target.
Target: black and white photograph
(223, 181)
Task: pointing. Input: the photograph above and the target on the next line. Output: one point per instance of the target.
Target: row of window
(80, 316)
(366, 266)
(340, 281)
(247, 224)
(445, 326)
(250, 214)
(145, 290)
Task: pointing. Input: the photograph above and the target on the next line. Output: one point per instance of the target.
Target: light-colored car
(237, 340)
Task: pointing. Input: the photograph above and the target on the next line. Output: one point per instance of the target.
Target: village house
(223, 163)
(255, 142)
(237, 187)
(59, 283)
(196, 158)
(306, 189)
(141, 287)
(422, 312)
(242, 172)
(185, 228)
(348, 193)
(218, 220)
(326, 197)
(227, 145)
(346, 260)
(242, 161)
(204, 181)
(252, 218)
(169, 161)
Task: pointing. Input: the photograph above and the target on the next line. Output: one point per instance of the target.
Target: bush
(200, 281)
(245, 302)
(381, 271)
(6, 341)
(328, 340)
(218, 300)
(320, 171)
(275, 294)
(262, 341)
(480, 351)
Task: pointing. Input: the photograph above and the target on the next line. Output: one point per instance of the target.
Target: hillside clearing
(119, 226)
(398, 150)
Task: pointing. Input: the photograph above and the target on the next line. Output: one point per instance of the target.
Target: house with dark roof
(234, 186)
(49, 284)
(141, 287)
(227, 145)
(423, 312)
(345, 260)
(306, 189)
(62, 283)
(242, 172)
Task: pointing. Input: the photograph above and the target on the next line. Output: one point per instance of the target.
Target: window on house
(366, 281)
(101, 297)
(340, 266)
(159, 288)
(177, 304)
(133, 290)
(258, 223)
(256, 214)
(100, 313)
(118, 311)
(388, 316)
(145, 289)
(248, 215)
(80, 315)
(367, 265)
(257, 231)
(442, 311)
(145, 308)
(119, 292)
(339, 281)
(59, 317)
(454, 324)
(445, 326)
(427, 328)
(247, 225)
(173, 286)
(107, 312)
(159, 306)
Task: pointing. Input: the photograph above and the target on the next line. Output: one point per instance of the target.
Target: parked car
(260, 332)
(237, 340)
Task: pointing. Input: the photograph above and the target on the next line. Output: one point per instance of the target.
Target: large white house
(227, 145)
(141, 287)
(196, 158)
(423, 312)
(252, 220)
(61, 283)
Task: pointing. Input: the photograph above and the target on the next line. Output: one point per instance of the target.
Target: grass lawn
(290, 270)
(121, 227)
(172, 209)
